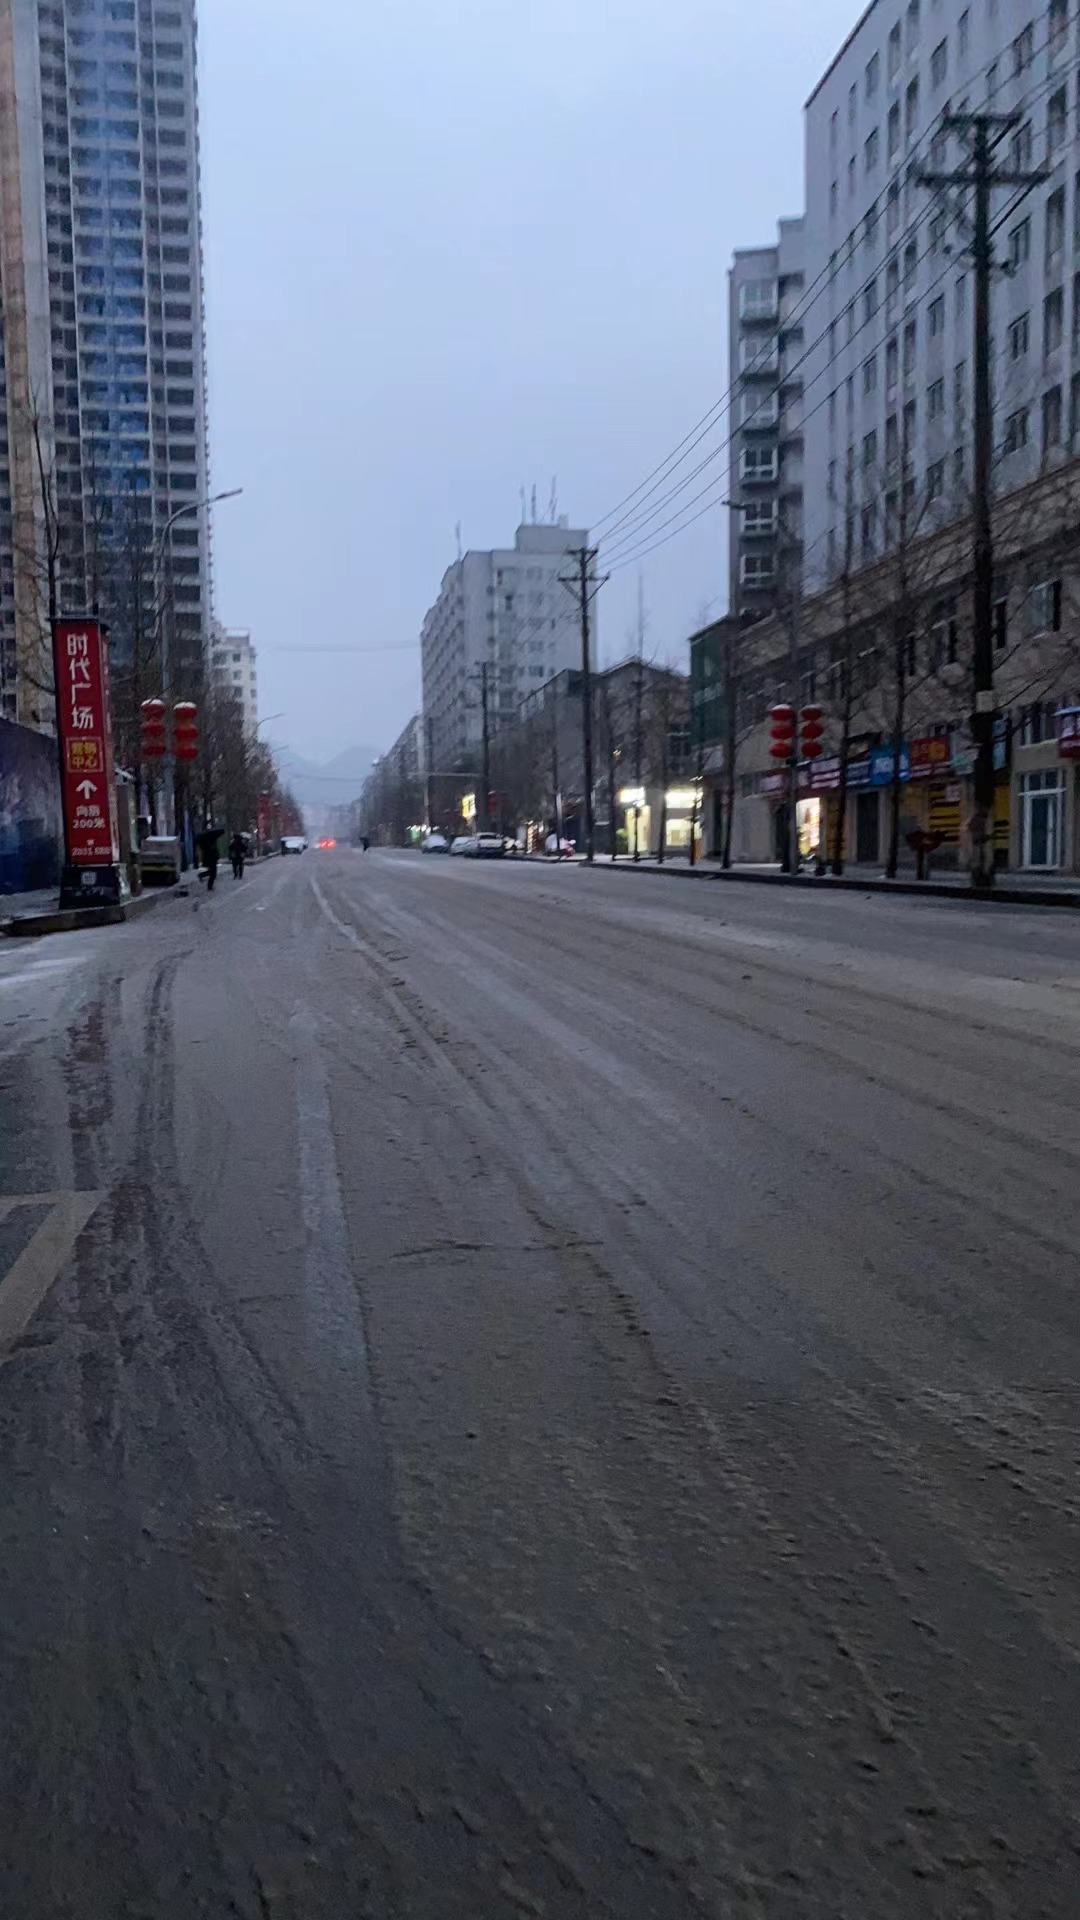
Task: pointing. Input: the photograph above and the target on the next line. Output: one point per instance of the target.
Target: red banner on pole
(84, 724)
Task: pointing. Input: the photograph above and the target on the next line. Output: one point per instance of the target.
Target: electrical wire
(622, 556)
(636, 521)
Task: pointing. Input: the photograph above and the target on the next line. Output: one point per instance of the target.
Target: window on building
(910, 422)
(871, 149)
(892, 130)
(892, 208)
(833, 130)
(935, 480)
(992, 76)
(911, 109)
(892, 441)
(1023, 49)
(1020, 243)
(894, 51)
(870, 374)
(935, 399)
(869, 449)
(936, 317)
(959, 471)
(1059, 25)
(911, 263)
(939, 64)
(870, 226)
(961, 297)
(1053, 320)
(910, 344)
(892, 364)
(1052, 420)
(1057, 116)
(963, 27)
(834, 197)
(959, 386)
(851, 182)
(1016, 431)
(912, 24)
(1055, 225)
(870, 299)
(1018, 337)
(873, 75)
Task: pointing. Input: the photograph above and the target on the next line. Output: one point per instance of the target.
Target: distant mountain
(319, 784)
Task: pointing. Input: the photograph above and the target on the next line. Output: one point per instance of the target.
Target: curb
(33, 925)
(829, 883)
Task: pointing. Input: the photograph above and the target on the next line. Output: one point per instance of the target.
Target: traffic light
(782, 723)
(186, 730)
(811, 728)
(152, 729)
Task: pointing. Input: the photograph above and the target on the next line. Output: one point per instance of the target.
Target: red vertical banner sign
(84, 725)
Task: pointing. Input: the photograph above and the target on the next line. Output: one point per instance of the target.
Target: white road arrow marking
(26, 1282)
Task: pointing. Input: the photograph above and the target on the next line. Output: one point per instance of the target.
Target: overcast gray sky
(455, 246)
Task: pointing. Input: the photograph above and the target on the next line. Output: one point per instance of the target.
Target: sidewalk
(1010, 889)
(24, 915)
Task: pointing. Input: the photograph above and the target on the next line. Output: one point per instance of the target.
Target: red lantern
(782, 724)
(186, 730)
(812, 728)
(152, 729)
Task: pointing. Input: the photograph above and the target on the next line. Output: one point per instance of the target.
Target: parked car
(293, 843)
(159, 858)
(435, 843)
(463, 843)
(487, 846)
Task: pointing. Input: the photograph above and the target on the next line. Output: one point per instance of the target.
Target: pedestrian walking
(206, 846)
(238, 854)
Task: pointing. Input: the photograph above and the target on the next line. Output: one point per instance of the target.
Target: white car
(294, 843)
(487, 846)
(464, 843)
(435, 843)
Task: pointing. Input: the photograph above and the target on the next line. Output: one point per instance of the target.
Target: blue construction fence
(31, 831)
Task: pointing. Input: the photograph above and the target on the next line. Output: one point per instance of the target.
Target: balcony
(759, 356)
(759, 466)
(760, 413)
(757, 572)
(759, 520)
(759, 301)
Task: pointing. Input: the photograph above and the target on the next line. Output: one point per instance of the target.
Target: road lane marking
(26, 1282)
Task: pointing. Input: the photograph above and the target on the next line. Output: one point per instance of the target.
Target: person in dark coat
(208, 851)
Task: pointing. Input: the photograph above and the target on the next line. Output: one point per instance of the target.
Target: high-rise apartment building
(233, 671)
(103, 455)
(503, 624)
(766, 344)
(888, 317)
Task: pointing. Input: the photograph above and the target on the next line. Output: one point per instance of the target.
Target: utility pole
(984, 133)
(583, 586)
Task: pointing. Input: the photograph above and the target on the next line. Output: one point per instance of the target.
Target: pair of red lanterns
(796, 736)
(154, 719)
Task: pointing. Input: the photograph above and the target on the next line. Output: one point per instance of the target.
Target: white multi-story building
(233, 671)
(102, 384)
(505, 611)
(888, 305)
(766, 345)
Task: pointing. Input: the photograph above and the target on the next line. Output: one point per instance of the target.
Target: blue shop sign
(876, 770)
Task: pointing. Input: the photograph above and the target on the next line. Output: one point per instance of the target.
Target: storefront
(1042, 819)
